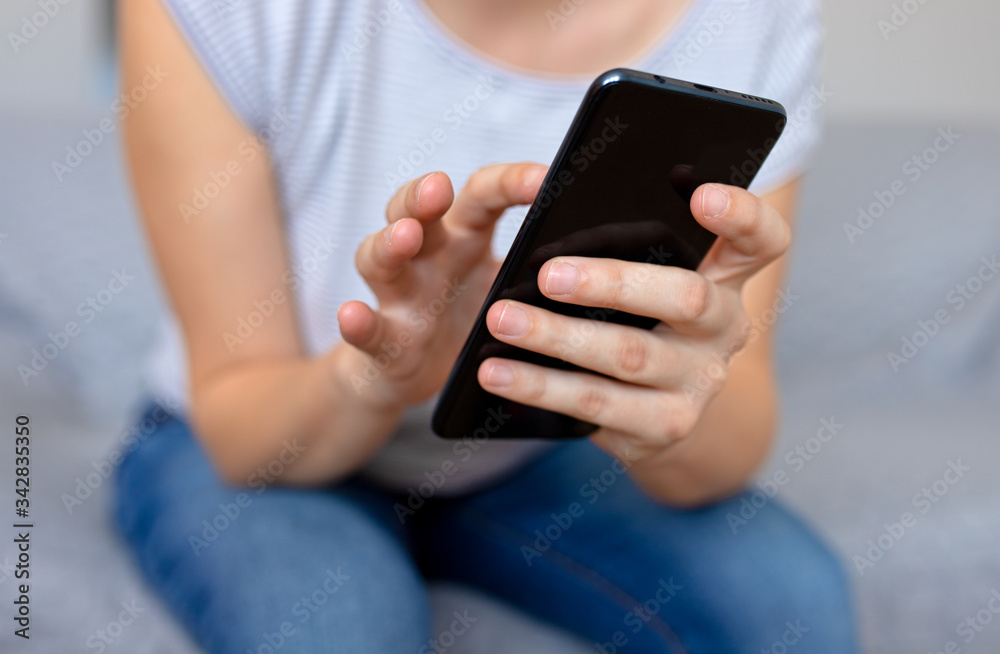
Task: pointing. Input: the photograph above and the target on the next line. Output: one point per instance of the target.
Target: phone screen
(620, 188)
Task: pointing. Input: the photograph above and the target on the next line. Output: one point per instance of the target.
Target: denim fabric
(568, 538)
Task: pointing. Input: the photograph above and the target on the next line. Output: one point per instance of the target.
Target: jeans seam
(572, 567)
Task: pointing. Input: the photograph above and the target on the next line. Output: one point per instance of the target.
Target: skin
(683, 448)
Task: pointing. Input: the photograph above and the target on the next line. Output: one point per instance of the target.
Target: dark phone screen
(620, 188)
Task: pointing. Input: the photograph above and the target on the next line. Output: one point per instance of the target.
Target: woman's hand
(661, 379)
(430, 270)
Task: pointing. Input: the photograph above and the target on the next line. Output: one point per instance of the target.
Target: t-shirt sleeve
(226, 36)
(790, 73)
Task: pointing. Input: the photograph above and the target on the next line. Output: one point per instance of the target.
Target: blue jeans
(568, 538)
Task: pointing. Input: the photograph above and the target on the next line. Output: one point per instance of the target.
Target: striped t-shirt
(355, 98)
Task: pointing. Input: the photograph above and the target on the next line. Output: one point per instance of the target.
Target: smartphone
(620, 187)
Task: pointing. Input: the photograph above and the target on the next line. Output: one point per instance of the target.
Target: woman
(262, 165)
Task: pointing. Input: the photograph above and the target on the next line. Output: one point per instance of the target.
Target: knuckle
(675, 424)
(695, 297)
(535, 386)
(683, 424)
(783, 239)
(748, 220)
(632, 355)
(664, 429)
(478, 181)
(512, 180)
(592, 402)
(755, 213)
(613, 287)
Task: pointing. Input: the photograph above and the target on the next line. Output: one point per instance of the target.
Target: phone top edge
(618, 75)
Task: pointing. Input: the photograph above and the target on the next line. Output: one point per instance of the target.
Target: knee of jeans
(802, 588)
(155, 461)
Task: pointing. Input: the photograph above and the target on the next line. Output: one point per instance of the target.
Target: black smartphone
(620, 187)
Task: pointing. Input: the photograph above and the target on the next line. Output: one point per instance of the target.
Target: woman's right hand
(430, 270)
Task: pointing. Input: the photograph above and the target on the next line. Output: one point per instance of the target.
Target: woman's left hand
(661, 379)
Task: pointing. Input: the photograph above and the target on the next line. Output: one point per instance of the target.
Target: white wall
(943, 63)
(63, 63)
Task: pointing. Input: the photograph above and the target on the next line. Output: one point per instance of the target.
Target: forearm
(726, 447)
(300, 412)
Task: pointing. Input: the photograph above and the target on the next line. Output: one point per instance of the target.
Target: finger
(425, 198)
(684, 299)
(752, 232)
(658, 417)
(361, 326)
(630, 354)
(489, 192)
(384, 255)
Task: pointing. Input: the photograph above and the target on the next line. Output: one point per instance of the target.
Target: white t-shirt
(355, 98)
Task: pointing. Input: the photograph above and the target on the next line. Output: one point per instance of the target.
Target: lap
(569, 538)
(249, 569)
(573, 540)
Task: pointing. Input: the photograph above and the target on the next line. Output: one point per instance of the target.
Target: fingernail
(388, 231)
(501, 376)
(420, 187)
(513, 321)
(562, 279)
(715, 201)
